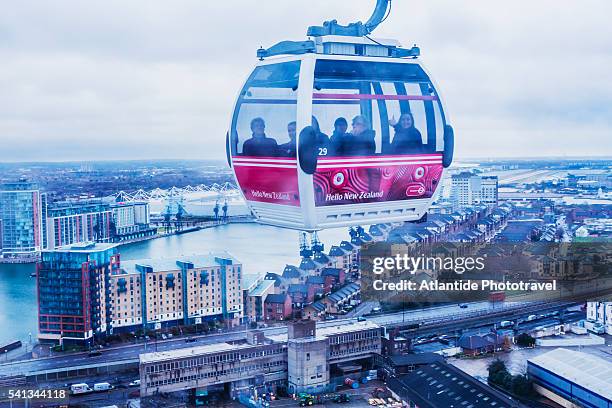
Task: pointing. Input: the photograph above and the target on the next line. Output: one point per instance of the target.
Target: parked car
(135, 383)
(190, 340)
(94, 353)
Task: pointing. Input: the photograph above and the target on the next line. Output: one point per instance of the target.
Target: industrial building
(437, 384)
(572, 378)
(303, 360)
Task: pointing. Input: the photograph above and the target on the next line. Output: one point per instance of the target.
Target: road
(130, 352)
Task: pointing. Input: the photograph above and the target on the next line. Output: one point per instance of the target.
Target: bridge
(225, 189)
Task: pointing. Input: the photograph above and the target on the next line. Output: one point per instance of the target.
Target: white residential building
(600, 312)
(468, 189)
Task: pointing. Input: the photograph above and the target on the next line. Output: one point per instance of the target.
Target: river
(260, 249)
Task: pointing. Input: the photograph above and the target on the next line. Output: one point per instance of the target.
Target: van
(103, 386)
(79, 388)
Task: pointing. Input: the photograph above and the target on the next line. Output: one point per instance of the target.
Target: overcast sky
(157, 79)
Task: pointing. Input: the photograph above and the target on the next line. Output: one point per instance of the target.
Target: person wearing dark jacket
(288, 149)
(360, 142)
(407, 138)
(259, 144)
(339, 133)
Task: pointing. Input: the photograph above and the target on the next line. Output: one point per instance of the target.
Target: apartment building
(158, 293)
(76, 222)
(73, 302)
(468, 189)
(84, 290)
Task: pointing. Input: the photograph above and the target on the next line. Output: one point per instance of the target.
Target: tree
(499, 375)
(525, 340)
(522, 385)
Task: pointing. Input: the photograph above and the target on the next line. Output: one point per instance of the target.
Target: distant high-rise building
(469, 189)
(21, 211)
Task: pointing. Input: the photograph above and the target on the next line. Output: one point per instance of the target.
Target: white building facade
(600, 312)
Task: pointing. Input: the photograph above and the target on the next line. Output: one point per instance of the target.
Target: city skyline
(116, 82)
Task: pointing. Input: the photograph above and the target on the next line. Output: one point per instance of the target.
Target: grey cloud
(142, 79)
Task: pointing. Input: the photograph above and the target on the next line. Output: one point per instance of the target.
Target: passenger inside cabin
(339, 134)
(259, 144)
(360, 142)
(407, 138)
(288, 149)
(340, 126)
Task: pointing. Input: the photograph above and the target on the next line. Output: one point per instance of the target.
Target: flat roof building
(442, 385)
(157, 293)
(300, 359)
(73, 283)
(567, 377)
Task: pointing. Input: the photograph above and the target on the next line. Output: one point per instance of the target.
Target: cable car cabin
(322, 141)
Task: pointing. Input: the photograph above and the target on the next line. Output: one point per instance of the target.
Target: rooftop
(276, 298)
(344, 292)
(262, 287)
(190, 351)
(585, 370)
(328, 331)
(441, 385)
(84, 247)
(249, 279)
(170, 264)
